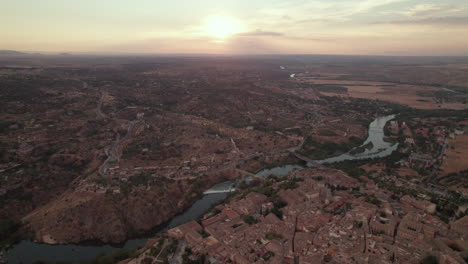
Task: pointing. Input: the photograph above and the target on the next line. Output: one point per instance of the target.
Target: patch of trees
(273, 235)
(332, 89)
(429, 260)
(8, 233)
(316, 150)
(341, 210)
(156, 151)
(448, 96)
(447, 206)
(373, 200)
(361, 149)
(249, 219)
(187, 260)
(350, 167)
(327, 133)
(4, 126)
(291, 183)
(268, 255)
(456, 115)
(27, 91)
(278, 203)
(140, 179)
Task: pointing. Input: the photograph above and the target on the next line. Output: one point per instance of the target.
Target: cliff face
(79, 216)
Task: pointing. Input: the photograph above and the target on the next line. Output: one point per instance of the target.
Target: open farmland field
(416, 96)
(456, 158)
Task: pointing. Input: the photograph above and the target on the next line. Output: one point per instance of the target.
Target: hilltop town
(316, 216)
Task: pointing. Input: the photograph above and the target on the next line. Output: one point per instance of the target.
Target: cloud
(425, 10)
(319, 11)
(429, 21)
(253, 46)
(368, 5)
(316, 39)
(259, 32)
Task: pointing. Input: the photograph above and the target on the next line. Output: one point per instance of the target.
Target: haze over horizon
(364, 27)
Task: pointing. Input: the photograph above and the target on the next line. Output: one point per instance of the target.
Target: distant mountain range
(19, 53)
(11, 52)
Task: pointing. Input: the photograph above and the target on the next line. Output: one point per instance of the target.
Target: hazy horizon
(342, 27)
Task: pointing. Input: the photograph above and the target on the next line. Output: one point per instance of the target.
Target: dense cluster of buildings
(425, 141)
(328, 218)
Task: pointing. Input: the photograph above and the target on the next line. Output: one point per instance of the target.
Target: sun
(221, 27)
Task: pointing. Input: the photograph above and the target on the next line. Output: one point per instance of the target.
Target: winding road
(113, 152)
(99, 113)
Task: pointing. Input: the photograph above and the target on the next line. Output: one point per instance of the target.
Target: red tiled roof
(192, 225)
(211, 220)
(230, 213)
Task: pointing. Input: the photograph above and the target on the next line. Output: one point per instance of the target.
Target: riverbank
(28, 252)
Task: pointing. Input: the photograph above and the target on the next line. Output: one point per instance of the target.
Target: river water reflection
(27, 252)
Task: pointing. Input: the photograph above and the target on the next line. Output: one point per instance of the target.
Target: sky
(365, 27)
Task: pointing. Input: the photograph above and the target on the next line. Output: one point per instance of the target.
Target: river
(380, 148)
(27, 252)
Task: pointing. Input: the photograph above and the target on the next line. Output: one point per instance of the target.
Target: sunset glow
(221, 27)
(387, 27)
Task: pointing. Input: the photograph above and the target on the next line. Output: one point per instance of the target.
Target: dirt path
(177, 258)
(99, 113)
